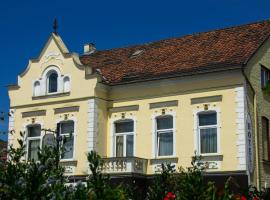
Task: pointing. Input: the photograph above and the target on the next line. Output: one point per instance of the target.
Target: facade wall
(253, 71)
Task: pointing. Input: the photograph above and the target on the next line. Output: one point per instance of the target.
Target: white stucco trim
(43, 80)
(92, 125)
(154, 137)
(112, 133)
(240, 129)
(196, 128)
(11, 130)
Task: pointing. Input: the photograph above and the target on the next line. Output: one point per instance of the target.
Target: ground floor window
(33, 141)
(66, 130)
(207, 128)
(124, 138)
(164, 135)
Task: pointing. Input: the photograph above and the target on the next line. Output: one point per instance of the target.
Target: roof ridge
(183, 36)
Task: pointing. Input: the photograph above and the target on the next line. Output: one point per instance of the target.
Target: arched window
(33, 141)
(37, 88)
(164, 135)
(66, 129)
(207, 130)
(124, 138)
(52, 82)
(66, 84)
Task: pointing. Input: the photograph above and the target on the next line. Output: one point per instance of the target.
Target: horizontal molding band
(66, 109)
(124, 108)
(163, 104)
(208, 99)
(34, 113)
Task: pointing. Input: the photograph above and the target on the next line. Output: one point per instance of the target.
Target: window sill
(164, 159)
(211, 157)
(68, 161)
(52, 95)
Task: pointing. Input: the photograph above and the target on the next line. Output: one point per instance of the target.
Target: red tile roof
(214, 50)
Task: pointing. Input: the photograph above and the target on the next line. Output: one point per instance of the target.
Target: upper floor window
(66, 130)
(124, 138)
(52, 82)
(266, 139)
(265, 76)
(33, 141)
(207, 130)
(164, 135)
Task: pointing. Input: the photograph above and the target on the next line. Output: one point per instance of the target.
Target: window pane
(125, 126)
(262, 77)
(34, 131)
(265, 135)
(208, 140)
(53, 82)
(165, 122)
(129, 145)
(207, 119)
(165, 144)
(119, 146)
(33, 146)
(68, 147)
(67, 127)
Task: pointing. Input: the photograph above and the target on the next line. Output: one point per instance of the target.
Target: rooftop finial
(55, 26)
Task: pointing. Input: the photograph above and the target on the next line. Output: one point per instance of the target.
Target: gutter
(258, 181)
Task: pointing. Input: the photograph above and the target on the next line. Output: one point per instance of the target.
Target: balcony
(122, 165)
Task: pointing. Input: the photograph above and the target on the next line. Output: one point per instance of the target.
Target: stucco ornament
(52, 56)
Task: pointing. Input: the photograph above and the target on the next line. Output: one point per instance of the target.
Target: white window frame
(32, 138)
(44, 80)
(155, 142)
(124, 134)
(74, 137)
(112, 134)
(197, 146)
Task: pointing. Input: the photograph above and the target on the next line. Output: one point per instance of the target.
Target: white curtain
(33, 147)
(165, 144)
(208, 140)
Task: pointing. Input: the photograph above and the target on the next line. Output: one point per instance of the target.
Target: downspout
(255, 131)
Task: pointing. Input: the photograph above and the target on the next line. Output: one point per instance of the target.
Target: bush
(44, 179)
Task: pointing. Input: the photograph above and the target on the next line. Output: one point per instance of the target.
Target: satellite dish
(49, 140)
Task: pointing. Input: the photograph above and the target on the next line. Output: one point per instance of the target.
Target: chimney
(89, 49)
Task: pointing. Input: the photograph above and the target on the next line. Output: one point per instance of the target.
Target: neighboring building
(158, 102)
(3, 150)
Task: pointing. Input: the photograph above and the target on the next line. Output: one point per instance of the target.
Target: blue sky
(26, 25)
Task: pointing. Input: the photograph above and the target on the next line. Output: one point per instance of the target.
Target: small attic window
(137, 53)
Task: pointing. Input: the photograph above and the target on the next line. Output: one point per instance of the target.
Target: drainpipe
(258, 182)
(255, 132)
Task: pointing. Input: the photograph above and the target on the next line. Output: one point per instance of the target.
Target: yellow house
(155, 103)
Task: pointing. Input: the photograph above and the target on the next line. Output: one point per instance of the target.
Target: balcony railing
(124, 165)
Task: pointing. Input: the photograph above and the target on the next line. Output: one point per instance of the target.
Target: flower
(169, 196)
(243, 197)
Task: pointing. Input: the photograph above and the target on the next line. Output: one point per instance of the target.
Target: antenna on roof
(55, 26)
